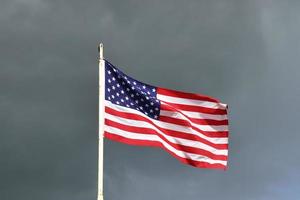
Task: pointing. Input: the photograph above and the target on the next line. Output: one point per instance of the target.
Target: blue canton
(125, 91)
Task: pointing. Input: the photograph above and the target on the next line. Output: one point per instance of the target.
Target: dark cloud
(243, 52)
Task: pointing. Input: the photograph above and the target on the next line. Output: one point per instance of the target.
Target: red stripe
(212, 111)
(166, 131)
(158, 144)
(140, 130)
(200, 121)
(166, 107)
(169, 107)
(197, 121)
(188, 119)
(186, 95)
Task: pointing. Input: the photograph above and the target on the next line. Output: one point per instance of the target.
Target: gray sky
(245, 53)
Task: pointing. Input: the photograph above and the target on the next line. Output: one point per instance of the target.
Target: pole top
(100, 50)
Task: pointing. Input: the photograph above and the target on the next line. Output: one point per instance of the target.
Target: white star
(109, 72)
(156, 108)
(155, 116)
(128, 82)
(151, 103)
(108, 89)
(146, 113)
(126, 98)
(131, 103)
(118, 94)
(108, 98)
(112, 96)
(127, 89)
(113, 78)
(153, 90)
(156, 101)
(137, 94)
(109, 80)
(122, 91)
(142, 99)
(114, 70)
(147, 105)
(141, 107)
(118, 85)
(113, 87)
(123, 83)
(144, 86)
(119, 76)
(136, 101)
(132, 95)
(134, 82)
(127, 105)
(151, 111)
(132, 88)
(148, 92)
(122, 100)
(118, 102)
(125, 77)
(147, 97)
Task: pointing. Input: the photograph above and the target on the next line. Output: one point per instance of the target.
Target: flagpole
(101, 121)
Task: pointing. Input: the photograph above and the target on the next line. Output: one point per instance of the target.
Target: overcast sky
(246, 53)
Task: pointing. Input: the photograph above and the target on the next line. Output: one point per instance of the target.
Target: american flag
(191, 127)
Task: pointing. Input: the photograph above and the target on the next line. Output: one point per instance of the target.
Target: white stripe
(169, 126)
(178, 115)
(196, 115)
(175, 140)
(191, 102)
(182, 154)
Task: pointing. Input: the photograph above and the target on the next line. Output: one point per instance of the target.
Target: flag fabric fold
(191, 127)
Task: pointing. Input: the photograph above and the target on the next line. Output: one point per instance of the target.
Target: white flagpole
(101, 121)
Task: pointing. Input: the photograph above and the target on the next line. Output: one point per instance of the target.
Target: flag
(191, 127)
